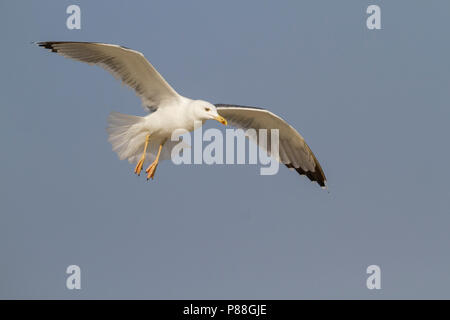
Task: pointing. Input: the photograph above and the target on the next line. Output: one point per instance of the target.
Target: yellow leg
(152, 168)
(139, 165)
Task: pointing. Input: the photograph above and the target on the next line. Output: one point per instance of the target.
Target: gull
(139, 138)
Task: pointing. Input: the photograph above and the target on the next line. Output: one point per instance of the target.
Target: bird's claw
(151, 171)
(138, 168)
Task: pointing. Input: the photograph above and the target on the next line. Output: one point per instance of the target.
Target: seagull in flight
(138, 138)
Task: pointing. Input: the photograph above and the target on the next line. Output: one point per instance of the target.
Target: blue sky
(373, 106)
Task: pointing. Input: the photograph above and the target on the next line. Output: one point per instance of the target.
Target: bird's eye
(207, 109)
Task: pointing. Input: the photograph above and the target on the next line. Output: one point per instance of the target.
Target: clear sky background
(373, 106)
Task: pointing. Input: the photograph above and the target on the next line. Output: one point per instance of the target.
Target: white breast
(167, 119)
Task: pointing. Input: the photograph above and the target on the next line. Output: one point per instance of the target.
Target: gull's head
(204, 110)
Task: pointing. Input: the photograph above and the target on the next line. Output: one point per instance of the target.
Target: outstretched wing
(125, 64)
(293, 150)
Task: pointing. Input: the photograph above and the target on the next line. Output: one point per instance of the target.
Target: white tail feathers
(126, 134)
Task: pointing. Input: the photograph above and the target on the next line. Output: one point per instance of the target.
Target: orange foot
(151, 170)
(139, 165)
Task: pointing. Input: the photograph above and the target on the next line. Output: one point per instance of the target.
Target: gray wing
(293, 150)
(125, 64)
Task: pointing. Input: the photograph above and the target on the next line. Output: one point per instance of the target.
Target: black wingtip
(47, 45)
(50, 45)
(315, 176)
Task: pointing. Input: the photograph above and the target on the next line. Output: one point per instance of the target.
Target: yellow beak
(221, 119)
